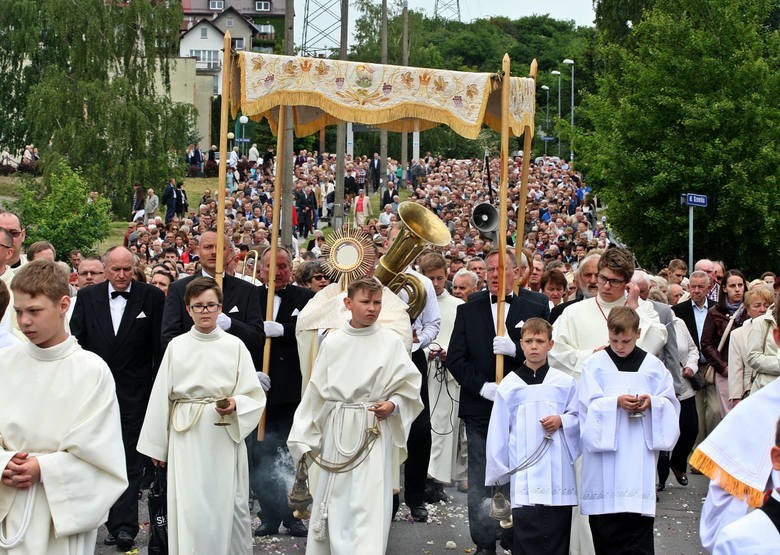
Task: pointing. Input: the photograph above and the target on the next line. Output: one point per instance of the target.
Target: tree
(55, 209)
(691, 106)
(80, 81)
(614, 18)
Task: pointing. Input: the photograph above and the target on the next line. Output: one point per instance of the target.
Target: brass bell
(299, 499)
(500, 509)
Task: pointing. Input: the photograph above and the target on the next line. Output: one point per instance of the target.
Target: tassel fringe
(737, 488)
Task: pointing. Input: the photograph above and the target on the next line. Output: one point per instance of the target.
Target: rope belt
(536, 456)
(199, 401)
(360, 452)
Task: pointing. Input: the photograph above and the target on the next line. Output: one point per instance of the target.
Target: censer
(299, 499)
(500, 509)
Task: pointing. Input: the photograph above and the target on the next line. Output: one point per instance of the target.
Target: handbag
(709, 371)
(158, 513)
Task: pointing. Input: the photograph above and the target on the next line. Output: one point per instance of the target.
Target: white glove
(265, 380)
(224, 321)
(273, 329)
(488, 391)
(502, 345)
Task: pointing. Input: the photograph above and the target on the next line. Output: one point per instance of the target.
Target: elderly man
(587, 284)
(709, 267)
(464, 284)
(477, 265)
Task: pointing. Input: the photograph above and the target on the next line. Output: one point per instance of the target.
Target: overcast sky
(581, 11)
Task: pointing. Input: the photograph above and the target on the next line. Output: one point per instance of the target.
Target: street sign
(693, 199)
(242, 139)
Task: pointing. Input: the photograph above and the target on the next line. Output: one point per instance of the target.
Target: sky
(581, 11)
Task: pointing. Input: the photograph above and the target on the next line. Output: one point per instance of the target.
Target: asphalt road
(676, 527)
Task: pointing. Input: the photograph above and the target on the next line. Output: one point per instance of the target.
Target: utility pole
(341, 130)
(383, 132)
(285, 215)
(404, 62)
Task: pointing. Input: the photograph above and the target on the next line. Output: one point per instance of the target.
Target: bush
(56, 209)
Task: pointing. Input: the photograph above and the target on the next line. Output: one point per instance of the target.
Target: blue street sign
(242, 140)
(693, 199)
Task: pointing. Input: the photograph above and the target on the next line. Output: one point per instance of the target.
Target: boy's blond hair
(41, 277)
(623, 319)
(368, 284)
(536, 326)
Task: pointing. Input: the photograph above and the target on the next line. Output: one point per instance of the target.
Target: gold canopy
(325, 92)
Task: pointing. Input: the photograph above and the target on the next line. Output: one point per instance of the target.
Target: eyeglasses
(205, 308)
(613, 282)
(15, 233)
(90, 273)
(319, 276)
(6, 246)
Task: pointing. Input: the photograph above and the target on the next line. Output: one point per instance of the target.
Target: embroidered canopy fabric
(325, 92)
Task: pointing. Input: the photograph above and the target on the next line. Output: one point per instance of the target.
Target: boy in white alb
(61, 452)
(534, 425)
(200, 442)
(628, 413)
(361, 400)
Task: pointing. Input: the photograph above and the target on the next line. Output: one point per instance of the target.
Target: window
(262, 6)
(206, 59)
(216, 4)
(266, 30)
(238, 43)
(204, 32)
(229, 21)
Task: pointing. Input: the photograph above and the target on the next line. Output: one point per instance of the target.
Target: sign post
(692, 200)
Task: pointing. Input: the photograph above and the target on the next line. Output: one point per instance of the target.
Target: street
(676, 525)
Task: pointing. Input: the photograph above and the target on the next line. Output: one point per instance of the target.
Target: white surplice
(619, 452)
(515, 433)
(208, 472)
(582, 327)
(59, 404)
(355, 368)
(443, 393)
(753, 534)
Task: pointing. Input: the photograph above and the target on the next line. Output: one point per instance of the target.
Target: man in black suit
(376, 167)
(119, 320)
(705, 410)
(472, 361)
(241, 315)
(387, 196)
(269, 458)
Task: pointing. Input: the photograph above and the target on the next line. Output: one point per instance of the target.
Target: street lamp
(546, 89)
(558, 73)
(230, 137)
(570, 62)
(243, 120)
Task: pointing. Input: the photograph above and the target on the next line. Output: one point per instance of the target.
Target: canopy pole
(528, 136)
(227, 73)
(502, 194)
(271, 281)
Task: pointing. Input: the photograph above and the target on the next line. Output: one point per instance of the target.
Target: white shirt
(117, 307)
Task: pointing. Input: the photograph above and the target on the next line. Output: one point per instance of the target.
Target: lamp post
(558, 73)
(546, 89)
(570, 62)
(243, 121)
(230, 137)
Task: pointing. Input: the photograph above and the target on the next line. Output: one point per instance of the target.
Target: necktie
(124, 294)
(494, 299)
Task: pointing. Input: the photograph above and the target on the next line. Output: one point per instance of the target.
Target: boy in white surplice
(361, 400)
(533, 439)
(628, 413)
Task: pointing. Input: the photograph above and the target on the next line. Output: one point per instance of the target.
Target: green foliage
(55, 209)
(81, 82)
(612, 17)
(691, 106)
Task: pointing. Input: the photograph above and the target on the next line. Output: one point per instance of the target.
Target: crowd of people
(613, 374)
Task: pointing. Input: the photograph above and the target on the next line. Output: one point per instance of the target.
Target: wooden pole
(502, 194)
(271, 282)
(528, 136)
(227, 71)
